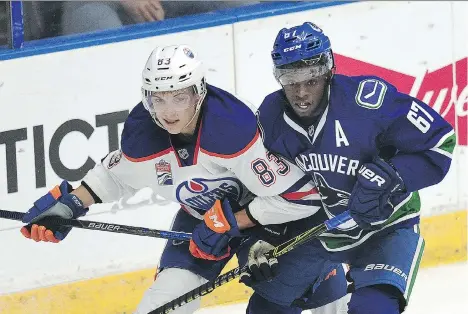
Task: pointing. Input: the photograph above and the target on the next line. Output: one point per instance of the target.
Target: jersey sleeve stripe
(442, 152)
(444, 138)
(300, 185)
(294, 196)
(446, 144)
(253, 141)
(141, 159)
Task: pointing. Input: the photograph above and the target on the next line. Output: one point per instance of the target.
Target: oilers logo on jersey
(202, 193)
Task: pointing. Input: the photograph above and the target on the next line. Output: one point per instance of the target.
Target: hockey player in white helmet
(174, 88)
(199, 146)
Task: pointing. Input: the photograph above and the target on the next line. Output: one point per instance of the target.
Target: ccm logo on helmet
(292, 48)
(163, 78)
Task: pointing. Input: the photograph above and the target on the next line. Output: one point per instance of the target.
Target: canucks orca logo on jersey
(334, 200)
(331, 197)
(202, 193)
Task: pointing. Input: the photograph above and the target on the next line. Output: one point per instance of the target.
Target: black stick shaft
(208, 287)
(281, 249)
(103, 226)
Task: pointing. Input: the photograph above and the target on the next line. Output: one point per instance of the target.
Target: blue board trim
(175, 25)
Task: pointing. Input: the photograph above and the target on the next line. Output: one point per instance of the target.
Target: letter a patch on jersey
(164, 173)
(340, 135)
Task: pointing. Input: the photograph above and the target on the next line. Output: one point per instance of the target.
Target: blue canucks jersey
(365, 117)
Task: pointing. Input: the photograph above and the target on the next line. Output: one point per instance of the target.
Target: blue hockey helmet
(301, 53)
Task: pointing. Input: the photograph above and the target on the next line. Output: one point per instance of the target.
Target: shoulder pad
(374, 95)
(142, 139)
(228, 126)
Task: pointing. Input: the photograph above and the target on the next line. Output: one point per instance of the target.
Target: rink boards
(66, 104)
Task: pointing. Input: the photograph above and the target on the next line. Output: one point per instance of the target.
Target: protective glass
(304, 70)
(155, 102)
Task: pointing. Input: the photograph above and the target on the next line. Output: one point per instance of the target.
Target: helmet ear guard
(200, 89)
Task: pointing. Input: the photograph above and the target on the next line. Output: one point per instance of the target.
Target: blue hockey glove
(369, 204)
(210, 239)
(58, 202)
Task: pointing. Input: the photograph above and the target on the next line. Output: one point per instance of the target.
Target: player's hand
(144, 10)
(260, 268)
(369, 204)
(210, 238)
(273, 234)
(58, 202)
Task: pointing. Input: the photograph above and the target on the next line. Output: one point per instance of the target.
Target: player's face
(175, 110)
(304, 97)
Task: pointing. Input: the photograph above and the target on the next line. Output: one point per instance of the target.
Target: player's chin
(304, 111)
(173, 130)
(174, 127)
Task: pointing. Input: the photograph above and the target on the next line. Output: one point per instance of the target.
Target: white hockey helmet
(173, 68)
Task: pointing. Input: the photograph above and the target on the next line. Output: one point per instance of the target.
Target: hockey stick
(103, 226)
(281, 249)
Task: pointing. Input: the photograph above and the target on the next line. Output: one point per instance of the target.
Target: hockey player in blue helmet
(369, 148)
(304, 66)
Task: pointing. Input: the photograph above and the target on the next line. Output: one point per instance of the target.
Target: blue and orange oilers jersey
(226, 158)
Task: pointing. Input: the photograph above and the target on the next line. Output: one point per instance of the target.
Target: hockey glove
(273, 234)
(210, 238)
(260, 267)
(369, 203)
(58, 202)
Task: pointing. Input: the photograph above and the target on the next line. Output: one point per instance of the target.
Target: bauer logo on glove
(369, 203)
(372, 176)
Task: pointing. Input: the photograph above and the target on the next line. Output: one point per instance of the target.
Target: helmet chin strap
(155, 119)
(197, 109)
